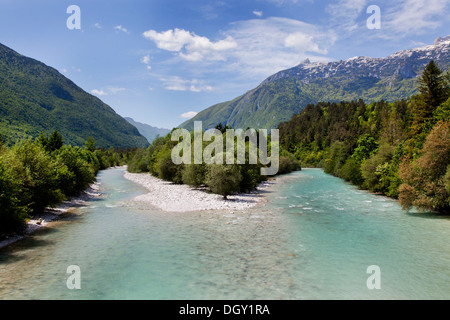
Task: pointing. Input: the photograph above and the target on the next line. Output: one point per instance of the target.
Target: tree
(223, 128)
(367, 146)
(90, 144)
(375, 170)
(194, 174)
(166, 169)
(79, 174)
(442, 112)
(351, 171)
(426, 179)
(223, 179)
(35, 173)
(43, 140)
(55, 142)
(432, 86)
(12, 212)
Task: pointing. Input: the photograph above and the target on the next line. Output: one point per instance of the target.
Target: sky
(161, 62)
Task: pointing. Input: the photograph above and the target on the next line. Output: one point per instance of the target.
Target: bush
(250, 177)
(223, 179)
(166, 169)
(351, 171)
(36, 175)
(375, 170)
(194, 174)
(79, 175)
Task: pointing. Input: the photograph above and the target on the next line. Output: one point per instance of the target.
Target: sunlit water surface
(314, 239)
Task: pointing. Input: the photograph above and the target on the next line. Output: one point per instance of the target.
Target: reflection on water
(313, 240)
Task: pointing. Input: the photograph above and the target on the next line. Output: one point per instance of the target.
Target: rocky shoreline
(171, 197)
(51, 214)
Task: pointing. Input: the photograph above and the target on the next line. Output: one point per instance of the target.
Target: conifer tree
(432, 86)
(55, 142)
(90, 144)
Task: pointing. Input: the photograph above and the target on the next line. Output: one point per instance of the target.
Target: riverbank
(163, 195)
(51, 214)
(171, 197)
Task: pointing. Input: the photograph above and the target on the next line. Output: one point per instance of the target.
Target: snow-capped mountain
(288, 92)
(405, 64)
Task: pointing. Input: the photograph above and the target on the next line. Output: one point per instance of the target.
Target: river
(313, 239)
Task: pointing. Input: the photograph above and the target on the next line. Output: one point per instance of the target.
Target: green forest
(399, 149)
(40, 173)
(36, 98)
(223, 179)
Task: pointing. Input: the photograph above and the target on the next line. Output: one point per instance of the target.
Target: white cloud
(176, 83)
(344, 13)
(255, 48)
(413, 17)
(98, 92)
(266, 46)
(121, 28)
(208, 12)
(303, 42)
(115, 90)
(107, 91)
(282, 2)
(398, 18)
(258, 13)
(146, 60)
(190, 46)
(188, 115)
(97, 25)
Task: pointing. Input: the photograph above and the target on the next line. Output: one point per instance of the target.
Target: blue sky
(159, 62)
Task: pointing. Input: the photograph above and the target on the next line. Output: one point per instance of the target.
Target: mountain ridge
(287, 92)
(36, 98)
(148, 131)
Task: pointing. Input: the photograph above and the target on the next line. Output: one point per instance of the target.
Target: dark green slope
(35, 98)
(288, 92)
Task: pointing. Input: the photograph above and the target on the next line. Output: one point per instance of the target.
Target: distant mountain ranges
(36, 98)
(149, 132)
(288, 92)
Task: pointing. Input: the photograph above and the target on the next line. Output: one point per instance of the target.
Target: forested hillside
(36, 98)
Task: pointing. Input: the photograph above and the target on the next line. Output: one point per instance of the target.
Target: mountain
(288, 92)
(36, 98)
(149, 132)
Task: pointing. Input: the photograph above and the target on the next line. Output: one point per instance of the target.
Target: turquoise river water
(314, 238)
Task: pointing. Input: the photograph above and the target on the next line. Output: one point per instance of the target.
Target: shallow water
(339, 231)
(314, 239)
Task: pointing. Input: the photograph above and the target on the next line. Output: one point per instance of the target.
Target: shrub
(79, 174)
(223, 179)
(375, 170)
(35, 172)
(166, 169)
(194, 174)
